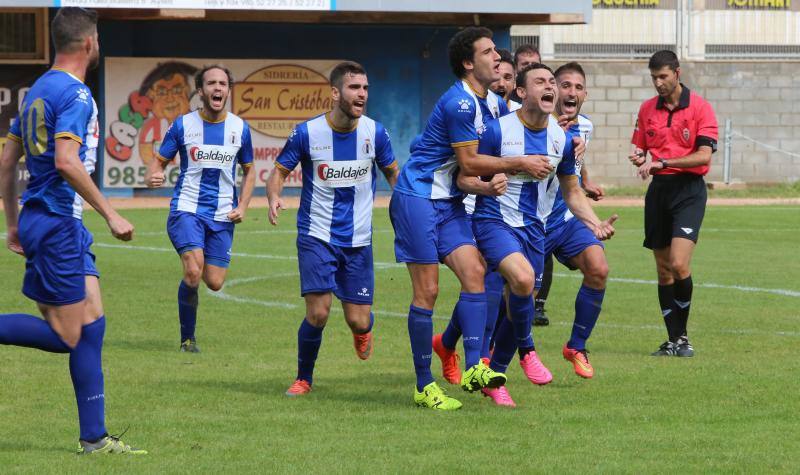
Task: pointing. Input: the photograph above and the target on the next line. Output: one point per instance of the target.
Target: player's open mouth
(548, 97)
(359, 104)
(216, 99)
(570, 103)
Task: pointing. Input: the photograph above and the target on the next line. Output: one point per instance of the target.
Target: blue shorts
(569, 240)
(187, 231)
(346, 271)
(426, 231)
(497, 240)
(57, 256)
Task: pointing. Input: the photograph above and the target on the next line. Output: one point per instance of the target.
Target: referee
(679, 131)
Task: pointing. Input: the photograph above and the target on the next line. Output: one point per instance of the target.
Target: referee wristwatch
(663, 163)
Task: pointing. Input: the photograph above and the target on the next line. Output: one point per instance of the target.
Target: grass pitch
(732, 408)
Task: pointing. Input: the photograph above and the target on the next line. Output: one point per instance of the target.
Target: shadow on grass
(143, 344)
(378, 389)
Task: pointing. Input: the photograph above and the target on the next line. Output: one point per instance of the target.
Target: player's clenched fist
(120, 228)
(154, 179)
(236, 215)
(498, 184)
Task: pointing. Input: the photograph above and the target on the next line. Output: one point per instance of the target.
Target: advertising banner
(144, 95)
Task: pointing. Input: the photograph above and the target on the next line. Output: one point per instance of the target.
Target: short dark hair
(505, 56)
(571, 67)
(198, 78)
(663, 58)
(462, 47)
(525, 49)
(343, 69)
(524, 72)
(70, 26)
(165, 71)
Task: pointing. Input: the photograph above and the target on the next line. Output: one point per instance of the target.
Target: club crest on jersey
(555, 147)
(367, 147)
(686, 134)
(463, 105)
(233, 137)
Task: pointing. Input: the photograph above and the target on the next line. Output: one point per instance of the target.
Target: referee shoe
(666, 349)
(683, 348)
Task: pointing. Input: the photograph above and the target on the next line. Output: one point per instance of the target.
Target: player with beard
(336, 151)
(429, 219)
(510, 229)
(205, 206)
(569, 239)
(504, 86)
(60, 274)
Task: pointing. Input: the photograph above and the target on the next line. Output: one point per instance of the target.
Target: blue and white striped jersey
(510, 136)
(458, 119)
(553, 206)
(58, 105)
(209, 152)
(338, 177)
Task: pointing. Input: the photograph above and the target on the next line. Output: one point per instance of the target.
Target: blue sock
(420, 331)
(86, 369)
(20, 329)
(471, 312)
(587, 311)
(521, 309)
(504, 346)
(494, 301)
(187, 310)
(309, 339)
(452, 333)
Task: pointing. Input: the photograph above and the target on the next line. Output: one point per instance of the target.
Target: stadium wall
(762, 100)
(407, 65)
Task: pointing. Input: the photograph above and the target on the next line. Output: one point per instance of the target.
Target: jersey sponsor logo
(212, 157)
(364, 292)
(463, 105)
(687, 230)
(512, 143)
(343, 173)
(83, 95)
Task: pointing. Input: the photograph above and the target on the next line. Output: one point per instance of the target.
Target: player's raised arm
(69, 165)
(12, 152)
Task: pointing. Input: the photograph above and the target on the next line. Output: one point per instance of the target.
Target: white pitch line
(394, 265)
(233, 282)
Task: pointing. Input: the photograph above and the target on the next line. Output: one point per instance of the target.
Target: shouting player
(60, 274)
(428, 215)
(336, 152)
(510, 229)
(205, 206)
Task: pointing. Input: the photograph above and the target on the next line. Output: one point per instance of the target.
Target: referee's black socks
(666, 300)
(683, 299)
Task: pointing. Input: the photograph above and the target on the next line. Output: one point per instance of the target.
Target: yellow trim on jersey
(526, 123)
(282, 168)
(482, 96)
(14, 138)
(337, 129)
(464, 144)
(55, 68)
(247, 165)
(163, 159)
(206, 119)
(68, 135)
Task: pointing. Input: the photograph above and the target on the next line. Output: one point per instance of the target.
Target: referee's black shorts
(673, 207)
